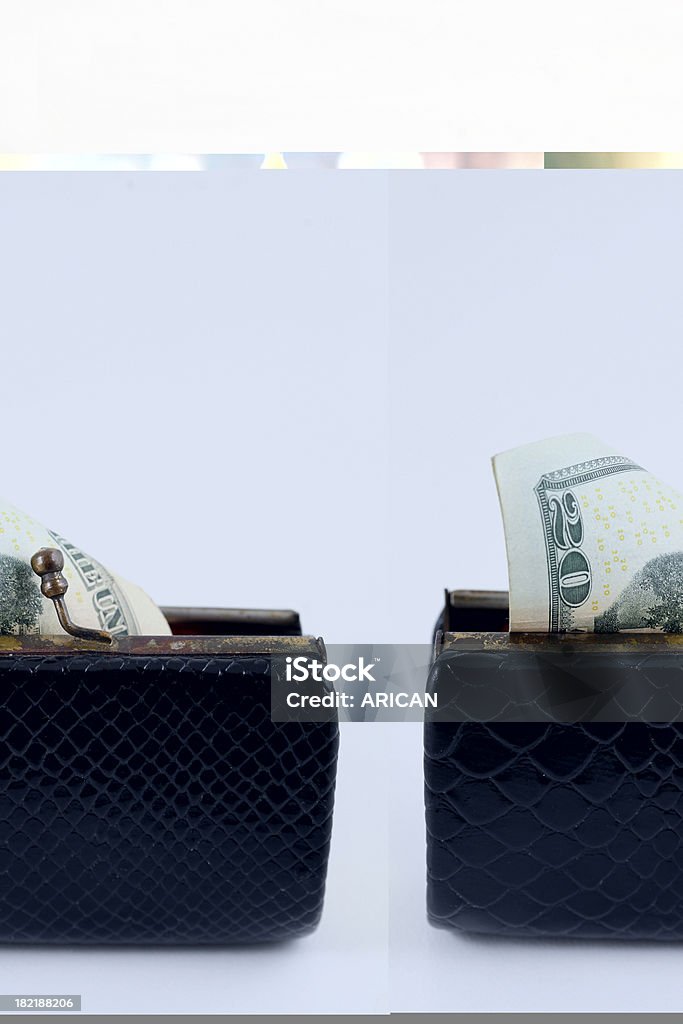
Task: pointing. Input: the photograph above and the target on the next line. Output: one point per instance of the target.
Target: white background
(309, 372)
(151, 76)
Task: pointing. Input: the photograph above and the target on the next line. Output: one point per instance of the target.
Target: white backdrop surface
(206, 76)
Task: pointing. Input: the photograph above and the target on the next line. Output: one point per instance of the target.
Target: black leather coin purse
(146, 796)
(553, 779)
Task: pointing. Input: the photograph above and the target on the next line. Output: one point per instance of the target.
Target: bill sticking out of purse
(594, 541)
(100, 600)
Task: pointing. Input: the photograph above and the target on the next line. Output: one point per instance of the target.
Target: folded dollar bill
(96, 597)
(594, 542)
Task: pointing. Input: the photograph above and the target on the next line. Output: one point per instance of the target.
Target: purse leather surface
(555, 828)
(151, 799)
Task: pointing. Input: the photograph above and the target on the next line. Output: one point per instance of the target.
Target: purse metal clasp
(48, 563)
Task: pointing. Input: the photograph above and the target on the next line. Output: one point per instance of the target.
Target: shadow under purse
(553, 779)
(146, 795)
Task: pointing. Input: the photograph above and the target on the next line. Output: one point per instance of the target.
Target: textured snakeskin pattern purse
(547, 827)
(146, 796)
